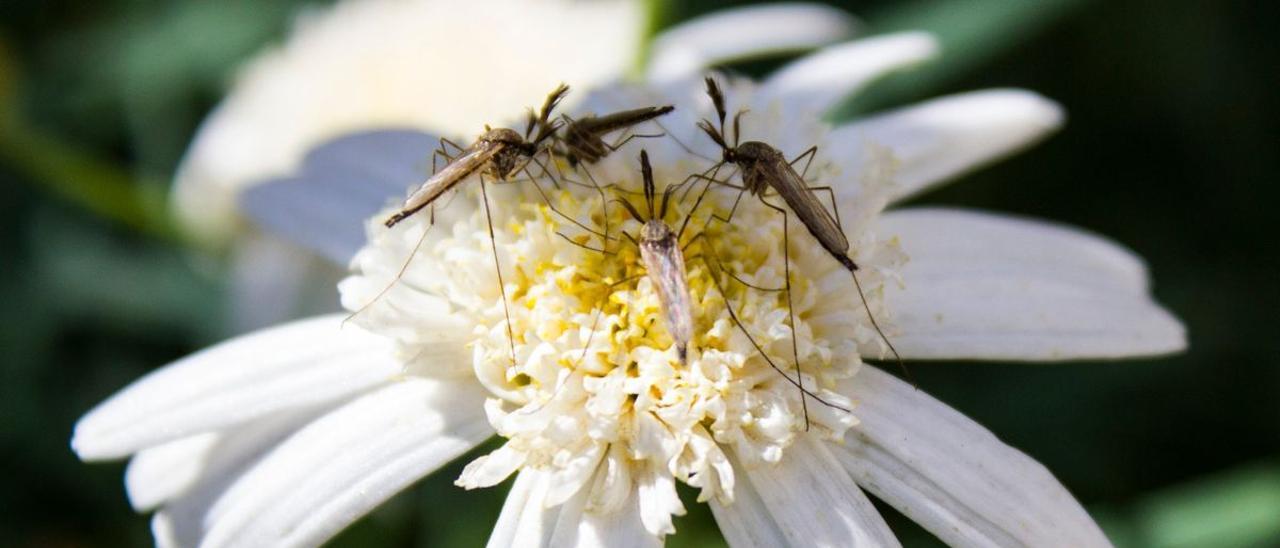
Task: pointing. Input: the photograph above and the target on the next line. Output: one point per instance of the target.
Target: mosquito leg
(614, 147)
(502, 287)
(400, 273)
(742, 327)
(813, 151)
(831, 193)
(547, 199)
(679, 142)
(786, 272)
(703, 194)
(446, 141)
(583, 246)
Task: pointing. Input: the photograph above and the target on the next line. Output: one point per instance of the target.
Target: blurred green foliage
(1172, 148)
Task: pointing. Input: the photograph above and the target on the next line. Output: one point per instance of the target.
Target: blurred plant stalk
(99, 186)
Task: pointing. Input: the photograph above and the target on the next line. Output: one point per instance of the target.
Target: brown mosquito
(664, 263)
(764, 168)
(497, 155)
(582, 140)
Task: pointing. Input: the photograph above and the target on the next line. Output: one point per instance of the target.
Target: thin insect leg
(831, 193)
(502, 287)
(446, 141)
(786, 272)
(679, 142)
(583, 246)
(876, 324)
(703, 236)
(604, 205)
(614, 147)
(703, 194)
(403, 268)
(595, 322)
(713, 171)
(813, 151)
(547, 200)
(524, 168)
(738, 322)
(728, 220)
(440, 152)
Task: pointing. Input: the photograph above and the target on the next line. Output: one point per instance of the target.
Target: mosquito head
(715, 135)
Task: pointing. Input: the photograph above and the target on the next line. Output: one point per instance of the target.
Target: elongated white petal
(297, 364)
(984, 286)
(819, 80)
(951, 475)
(747, 523)
(940, 139)
(694, 45)
(323, 207)
(527, 522)
(810, 503)
(340, 466)
(158, 473)
(195, 466)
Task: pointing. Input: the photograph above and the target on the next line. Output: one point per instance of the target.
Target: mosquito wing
(458, 170)
(779, 175)
(664, 264)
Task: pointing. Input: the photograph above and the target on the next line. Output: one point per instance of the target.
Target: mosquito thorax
(506, 136)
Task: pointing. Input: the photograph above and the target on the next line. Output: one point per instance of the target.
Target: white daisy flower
(287, 435)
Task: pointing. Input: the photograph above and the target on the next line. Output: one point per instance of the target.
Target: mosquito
(764, 168)
(664, 263)
(497, 154)
(582, 140)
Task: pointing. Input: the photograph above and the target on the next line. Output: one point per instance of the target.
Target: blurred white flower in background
(441, 65)
(435, 65)
(287, 435)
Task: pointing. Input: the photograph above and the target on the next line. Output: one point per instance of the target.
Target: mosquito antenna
(647, 172)
(717, 99)
(666, 198)
(737, 125)
(530, 121)
(711, 132)
(630, 209)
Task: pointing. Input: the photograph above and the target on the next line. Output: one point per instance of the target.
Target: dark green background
(1171, 147)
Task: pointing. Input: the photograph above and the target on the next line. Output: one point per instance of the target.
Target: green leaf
(971, 33)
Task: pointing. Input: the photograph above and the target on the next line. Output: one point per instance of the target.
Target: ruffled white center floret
(597, 395)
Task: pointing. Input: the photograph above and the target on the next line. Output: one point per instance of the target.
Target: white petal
(200, 467)
(297, 364)
(946, 137)
(158, 473)
(952, 476)
(340, 466)
(341, 183)
(819, 80)
(810, 502)
(526, 521)
(982, 286)
(747, 523)
(694, 45)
